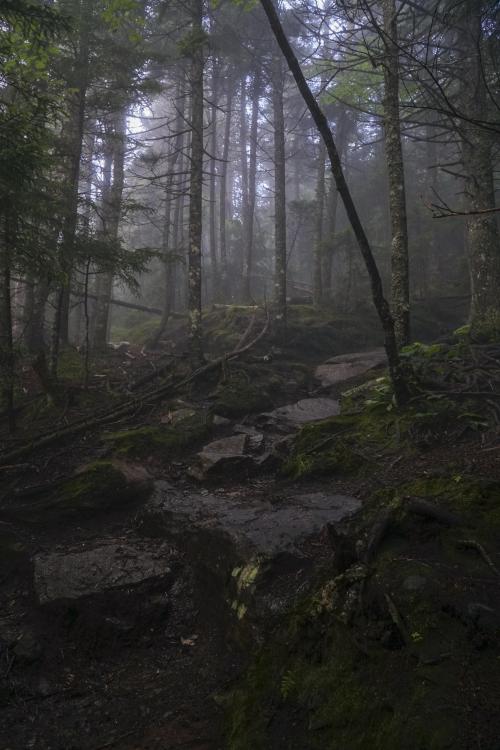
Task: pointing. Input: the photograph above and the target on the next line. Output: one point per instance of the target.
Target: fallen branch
(130, 405)
(472, 544)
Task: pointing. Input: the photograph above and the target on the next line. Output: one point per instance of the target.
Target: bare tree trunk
(213, 185)
(477, 143)
(279, 198)
(400, 276)
(111, 209)
(7, 359)
(170, 226)
(343, 127)
(398, 379)
(318, 233)
(248, 230)
(75, 143)
(196, 186)
(223, 193)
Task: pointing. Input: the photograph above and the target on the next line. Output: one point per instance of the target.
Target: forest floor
(148, 560)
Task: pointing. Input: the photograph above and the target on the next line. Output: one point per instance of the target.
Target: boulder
(116, 564)
(347, 366)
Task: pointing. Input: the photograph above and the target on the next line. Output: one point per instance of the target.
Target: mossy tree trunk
(400, 275)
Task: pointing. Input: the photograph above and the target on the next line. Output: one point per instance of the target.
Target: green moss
(71, 365)
(164, 440)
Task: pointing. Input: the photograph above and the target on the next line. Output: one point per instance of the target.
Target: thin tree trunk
(213, 185)
(477, 143)
(400, 276)
(318, 233)
(75, 144)
(7, 360)
(111, 209)
(170, 227)
(196, 186)
(396, 371)
(279, 199)
(223, 194)
(248, 237)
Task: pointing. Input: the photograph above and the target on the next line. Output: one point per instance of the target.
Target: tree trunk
(477, 143)
(196, 185)
(170, 226)
(111, 212)
(75, 130)
(223, 288)
(248, 229)
(318, 233)
(398, 379)
(400, 283)
(7, 360)
(213, 185)
(279, 199)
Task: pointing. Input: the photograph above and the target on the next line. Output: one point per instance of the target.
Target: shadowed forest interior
(249, 374)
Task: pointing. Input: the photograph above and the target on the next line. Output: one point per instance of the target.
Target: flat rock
(219, 455)
(304, 411)
(113, 565)
(347, 366)
(254, 526)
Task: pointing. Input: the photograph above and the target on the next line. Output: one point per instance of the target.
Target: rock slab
(117, 564)
(347, 366)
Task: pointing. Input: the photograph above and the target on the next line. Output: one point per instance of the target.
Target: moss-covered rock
(373, 658)
(162, 440)
(95, 487)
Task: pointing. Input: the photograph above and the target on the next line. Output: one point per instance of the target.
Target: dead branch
(472, 544)
(129, 406)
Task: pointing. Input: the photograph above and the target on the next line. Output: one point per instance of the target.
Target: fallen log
(129, 406)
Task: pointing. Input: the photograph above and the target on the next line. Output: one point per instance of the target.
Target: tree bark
(248, 228)
(318, 232)
(400, 277)
(7, 359)
(196, 185)
(398, 379)
(214, 271)
(223, 288)
(75, 130)
(477, 143)
(280, 260)
(111, 210)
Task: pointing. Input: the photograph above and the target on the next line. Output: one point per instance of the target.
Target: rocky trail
(135, 593)
(124, 621)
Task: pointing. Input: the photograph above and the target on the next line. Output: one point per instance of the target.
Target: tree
(400, 385)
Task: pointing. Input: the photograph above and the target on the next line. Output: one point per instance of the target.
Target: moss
(485, 328)
(71, 365)
(247, 391)
(164, 440)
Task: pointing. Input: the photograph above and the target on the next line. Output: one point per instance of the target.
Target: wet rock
(255, 542)
(220, 421)
(303, 412)
(113, 565)
(347, 366)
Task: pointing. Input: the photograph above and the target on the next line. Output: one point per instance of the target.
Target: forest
(249, 374)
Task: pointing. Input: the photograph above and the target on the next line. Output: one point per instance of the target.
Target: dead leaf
(191, 641)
